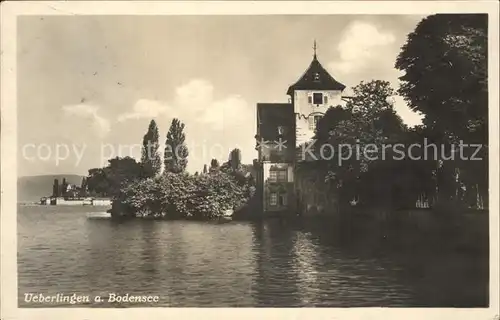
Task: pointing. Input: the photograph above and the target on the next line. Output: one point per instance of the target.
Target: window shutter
(311, 122)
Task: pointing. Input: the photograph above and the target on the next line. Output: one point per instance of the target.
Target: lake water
(238, 264)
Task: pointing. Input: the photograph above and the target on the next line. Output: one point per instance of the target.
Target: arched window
(313, 121)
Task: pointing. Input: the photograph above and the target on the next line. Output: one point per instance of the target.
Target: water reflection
(266, 264)
(276, 279)
(300, 268)
(305, 257)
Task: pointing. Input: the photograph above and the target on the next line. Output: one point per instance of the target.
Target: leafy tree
(150, 158)
(235, 159)
(327, 123)
(64, 187)
(368, 121)
(242, 174)
(214, 166)
(370, 98)
(205, 169)
(83, 187)
(108, 181)
(56, 189)
(98, 183)
(122, 171)
(176, 151)
(445, 66)
(174, 196)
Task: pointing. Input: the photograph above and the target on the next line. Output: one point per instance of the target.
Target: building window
(273, 176)
(313, 122)
(317, 98)
(278, 176)
(273, 199)
(282, 176)
(278, 199)
(325, 98)
(282, 200)
(316, 121)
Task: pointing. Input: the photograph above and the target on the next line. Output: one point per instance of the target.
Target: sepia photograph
(300, 159)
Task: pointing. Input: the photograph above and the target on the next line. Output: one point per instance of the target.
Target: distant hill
(32, 188)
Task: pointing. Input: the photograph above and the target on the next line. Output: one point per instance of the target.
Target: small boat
(98, 215)
(226, 216)
(223, 219)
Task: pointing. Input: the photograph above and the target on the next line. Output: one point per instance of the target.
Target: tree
(175, 196)
(205, 169)
(55, 188)
(150, 158)
(370, 98)
(83, 187)
(108, 181)
(176, 151)
(368, 121)
(445, 66)
(97, 182)
(64, 187)
(214, 166)
(235, 159)
(122, 171)
(240, 173)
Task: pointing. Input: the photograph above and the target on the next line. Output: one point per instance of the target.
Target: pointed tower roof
(316, 78)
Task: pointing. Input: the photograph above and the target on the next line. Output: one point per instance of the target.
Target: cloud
(365, 53)
(195, 100)
(195, 93)
(214, 125)
(145, 108)
(361, 45)
(228, 112)
(101, 125)
(191, 100)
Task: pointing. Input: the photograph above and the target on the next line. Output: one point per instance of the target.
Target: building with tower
(283, 127)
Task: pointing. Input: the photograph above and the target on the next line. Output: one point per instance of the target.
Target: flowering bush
(180, 195)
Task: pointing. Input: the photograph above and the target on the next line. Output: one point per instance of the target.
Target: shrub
(180, 195)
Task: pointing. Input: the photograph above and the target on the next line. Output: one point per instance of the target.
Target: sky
(88, 86)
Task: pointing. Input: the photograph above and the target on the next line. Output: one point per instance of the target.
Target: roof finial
(314, 47)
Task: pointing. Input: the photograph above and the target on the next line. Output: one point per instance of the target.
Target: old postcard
(312, 160)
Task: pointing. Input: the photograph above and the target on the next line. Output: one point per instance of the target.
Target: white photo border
(8, 201)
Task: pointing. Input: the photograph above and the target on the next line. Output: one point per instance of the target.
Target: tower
(311, 96)
(281, 128)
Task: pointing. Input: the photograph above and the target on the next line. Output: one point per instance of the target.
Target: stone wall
(466, 230)
(314, 196)
(60, 201)
(101, 202)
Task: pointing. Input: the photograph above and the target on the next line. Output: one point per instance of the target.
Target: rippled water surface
(238, 264)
